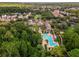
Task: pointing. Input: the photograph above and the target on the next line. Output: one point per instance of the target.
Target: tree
(37, 17)
(23, 49)
(10, 49)
(2, 33)
(77, 28)
(57, 52)
(71, 39)
(8, 36)
(74, 53)
(24, 35)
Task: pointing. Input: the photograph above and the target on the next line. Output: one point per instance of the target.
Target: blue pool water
(50, 40)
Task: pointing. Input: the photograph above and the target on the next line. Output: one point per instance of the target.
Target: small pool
(51, 42)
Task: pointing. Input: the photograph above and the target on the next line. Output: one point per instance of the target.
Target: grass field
(14, 4)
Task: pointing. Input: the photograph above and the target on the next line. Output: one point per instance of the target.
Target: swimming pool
(50, 39)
